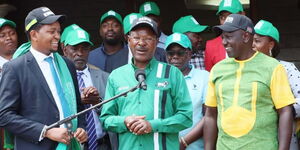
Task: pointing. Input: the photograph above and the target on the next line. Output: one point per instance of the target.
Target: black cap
(145, 21)
(41, 15)
(235, 22)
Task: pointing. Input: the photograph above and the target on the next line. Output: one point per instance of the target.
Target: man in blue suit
(39, 88)
(91, 80)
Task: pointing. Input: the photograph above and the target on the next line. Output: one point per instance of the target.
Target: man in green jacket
(151, 118)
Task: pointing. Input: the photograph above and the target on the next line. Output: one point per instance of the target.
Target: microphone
(141, 78)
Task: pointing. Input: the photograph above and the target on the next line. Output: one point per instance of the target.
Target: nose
(224, 41)
(142, 42)
(79, 52)
(57, 35)
(8, 37)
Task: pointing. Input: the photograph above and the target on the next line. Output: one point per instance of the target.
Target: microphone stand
(67, 120)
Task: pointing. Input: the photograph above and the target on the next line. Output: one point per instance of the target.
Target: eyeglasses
(146, 39)
(178, 53)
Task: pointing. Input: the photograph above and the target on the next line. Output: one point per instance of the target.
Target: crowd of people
(229, 93)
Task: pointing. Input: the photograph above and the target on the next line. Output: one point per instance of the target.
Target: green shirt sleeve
(182, 118)
(109, 114)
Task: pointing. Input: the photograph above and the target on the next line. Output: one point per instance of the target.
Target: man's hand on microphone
(90, 95)
(58, 134)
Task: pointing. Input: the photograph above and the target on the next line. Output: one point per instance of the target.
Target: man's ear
(33, 35)
(246, 37)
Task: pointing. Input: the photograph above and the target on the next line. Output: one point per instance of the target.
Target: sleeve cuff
(42, 135)
(155, 124)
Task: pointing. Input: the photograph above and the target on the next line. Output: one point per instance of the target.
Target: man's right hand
(58, 134)
(132, 119)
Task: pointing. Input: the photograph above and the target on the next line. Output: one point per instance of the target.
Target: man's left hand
(141, 127)
(81, 135)
(90, 95)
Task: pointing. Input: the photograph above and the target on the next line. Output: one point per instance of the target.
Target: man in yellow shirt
(249, 98)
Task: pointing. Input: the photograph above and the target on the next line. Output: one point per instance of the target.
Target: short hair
(36, 27)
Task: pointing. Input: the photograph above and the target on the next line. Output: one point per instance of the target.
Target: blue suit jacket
(27, 105)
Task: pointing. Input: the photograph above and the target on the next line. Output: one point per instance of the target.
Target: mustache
(110, 32)
(79, 59)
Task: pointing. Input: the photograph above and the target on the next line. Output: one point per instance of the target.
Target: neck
(111, 49)
(7, 56)
(141, 65)
(186, 70)
(46, 52)
(246, 55)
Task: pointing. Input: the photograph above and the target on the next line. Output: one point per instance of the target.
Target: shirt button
(139, 102)
(141, 145)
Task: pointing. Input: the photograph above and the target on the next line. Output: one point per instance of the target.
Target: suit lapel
(95, 78)
(38, 75)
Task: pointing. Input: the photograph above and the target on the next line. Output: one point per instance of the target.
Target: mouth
(10, 44)
(141, 51)
(110, 34)
(228, 49)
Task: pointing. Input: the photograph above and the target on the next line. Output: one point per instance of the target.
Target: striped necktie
(91, 129)
(59, 89)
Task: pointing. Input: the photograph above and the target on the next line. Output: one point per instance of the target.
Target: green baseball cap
(188, 24)
(180, 39)
(67, 30)
(149, 8)
(266, 28)
(232, 6)
(113, 14)
(128, 21)
(4, 22)
(78, 36)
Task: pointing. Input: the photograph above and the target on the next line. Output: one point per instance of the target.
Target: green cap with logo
(266, 28)
(128, 20)
(188, 24)
(232, 6)
(77, 36)
(4, 22)
(67, 30)
(149, 8)
(180, 39)
(113, 14)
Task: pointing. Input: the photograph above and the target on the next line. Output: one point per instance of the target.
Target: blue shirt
(108, 63)
(196, 81)
(162, 40)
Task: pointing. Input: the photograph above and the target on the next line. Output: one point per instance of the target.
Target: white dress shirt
(87, 79)
(2, 62)
(45, 68)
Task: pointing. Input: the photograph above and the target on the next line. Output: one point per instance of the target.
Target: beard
(112, 42)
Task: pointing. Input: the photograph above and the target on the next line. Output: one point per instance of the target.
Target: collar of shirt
(149, 66)
(191, 73)
(2, 61)
(85, 71)
(103, 50)
(86, 77)
(198, 54)
(162, 37)
(40, 57)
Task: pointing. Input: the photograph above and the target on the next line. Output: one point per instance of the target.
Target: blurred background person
(266, 40)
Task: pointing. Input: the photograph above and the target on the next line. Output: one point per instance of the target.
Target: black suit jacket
(27, 104)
